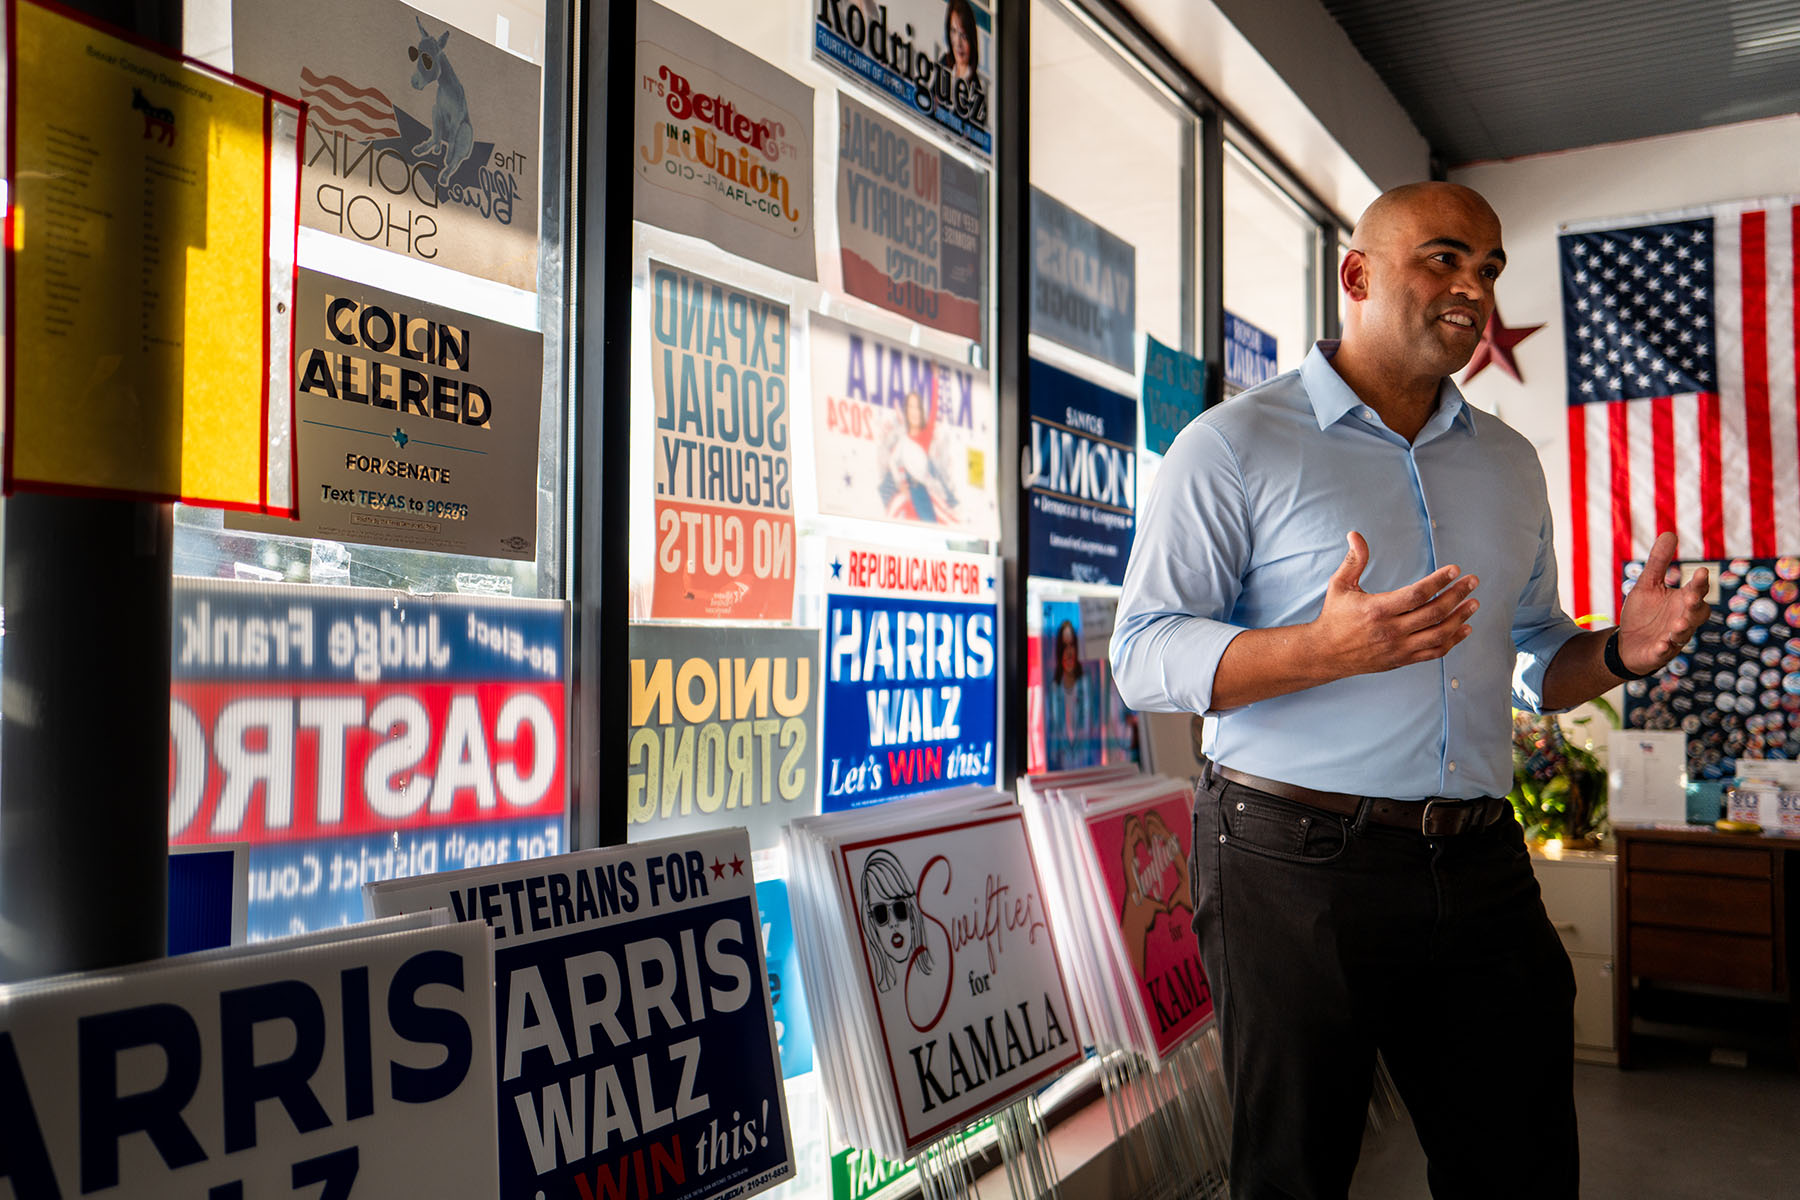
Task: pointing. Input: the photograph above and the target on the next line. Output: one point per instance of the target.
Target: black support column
(1012, 360)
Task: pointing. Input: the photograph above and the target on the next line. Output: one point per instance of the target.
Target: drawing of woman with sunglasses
(891, 922)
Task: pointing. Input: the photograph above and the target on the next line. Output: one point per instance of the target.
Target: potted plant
(1559, 788)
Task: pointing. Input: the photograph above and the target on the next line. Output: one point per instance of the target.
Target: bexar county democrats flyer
(931, 59)
(637, 1050)
(901, 436)
(1083, 478)
(724, 468)
(416, 425)
(351, 735)
(361, 1067)
(723, 144)
(910, 658)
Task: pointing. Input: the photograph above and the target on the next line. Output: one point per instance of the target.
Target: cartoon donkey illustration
(450, 128)
(160, 121)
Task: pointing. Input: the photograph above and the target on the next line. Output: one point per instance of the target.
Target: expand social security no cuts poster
(364, 1065)
(901, 435)
(723, 144)
(1083, 283)
(422, 138)
(351, 735)
(932, 59)
(910, 661)
(724, 508)
(636, 1046)
(1083, 477)
(912, 223)
(724, 730)
(416, 424)
(973, 1010)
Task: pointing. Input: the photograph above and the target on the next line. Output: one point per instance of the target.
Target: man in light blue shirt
(1352, 568)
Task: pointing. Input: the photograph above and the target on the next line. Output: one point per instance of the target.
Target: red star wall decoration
(1497, 342)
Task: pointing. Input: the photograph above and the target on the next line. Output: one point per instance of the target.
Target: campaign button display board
(636, 1042)
(358, 1067)
(910, 660)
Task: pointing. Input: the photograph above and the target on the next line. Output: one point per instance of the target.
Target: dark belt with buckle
(1433, 817)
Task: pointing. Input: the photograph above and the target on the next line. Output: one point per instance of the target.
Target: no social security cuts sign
(637, 1051)
(360, 1067)
(910, 658)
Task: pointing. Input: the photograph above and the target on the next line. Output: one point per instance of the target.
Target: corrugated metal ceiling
(1511, 77)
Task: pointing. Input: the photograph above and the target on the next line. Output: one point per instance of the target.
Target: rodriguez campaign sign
(350, 735)
(360, 1067)
(636, 1044)
(910, 659)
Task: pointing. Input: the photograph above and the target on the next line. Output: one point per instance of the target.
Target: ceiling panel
(1514, 77)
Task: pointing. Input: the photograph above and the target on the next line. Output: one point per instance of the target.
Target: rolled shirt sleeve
(1192, 548)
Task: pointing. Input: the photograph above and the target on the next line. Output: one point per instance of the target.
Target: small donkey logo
(158, 121)
(450, 129)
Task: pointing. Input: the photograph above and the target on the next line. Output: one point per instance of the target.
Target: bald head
(1395, 208)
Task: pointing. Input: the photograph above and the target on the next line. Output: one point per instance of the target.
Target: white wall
(1535, 195)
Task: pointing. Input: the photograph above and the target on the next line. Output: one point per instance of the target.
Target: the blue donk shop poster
(632, 1021)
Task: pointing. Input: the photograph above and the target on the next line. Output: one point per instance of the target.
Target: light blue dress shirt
(1244, 527)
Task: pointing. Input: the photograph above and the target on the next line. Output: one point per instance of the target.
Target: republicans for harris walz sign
(1083, 478)
(351, 735)
(362, 1067)
(934, 59)
(724, 729)
(636, 1045)
(910, 657)
(723, 144)
(1083, 283)
(416, 424)
(724, 507)
(422, 138)
(959, 961)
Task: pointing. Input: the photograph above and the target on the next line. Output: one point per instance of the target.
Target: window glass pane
(1271, 261)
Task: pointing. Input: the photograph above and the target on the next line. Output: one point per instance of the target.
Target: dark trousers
(1326, 942)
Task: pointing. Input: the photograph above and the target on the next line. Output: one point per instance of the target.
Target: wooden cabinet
(1696, 907)
(1578, 894)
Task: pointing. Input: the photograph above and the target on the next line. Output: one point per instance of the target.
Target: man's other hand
(1360, 632)
(1656, 620)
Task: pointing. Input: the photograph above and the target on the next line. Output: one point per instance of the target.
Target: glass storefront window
(1271, 260)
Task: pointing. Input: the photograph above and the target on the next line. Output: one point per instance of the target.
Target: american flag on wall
(1680, 342)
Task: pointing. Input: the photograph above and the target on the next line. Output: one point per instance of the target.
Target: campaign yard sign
(929, 58)
(724, 487)
(636, 1043)
(912, 223)
(1174, 393)
(1142, 853)
(910, 663)
(722, 144)
(359, 1067)
(900, 435)
(1083, 478)
(959, 961)
(787, 989)
(351, 735)
(1249, 354)
(724, 730)
(1083, 283)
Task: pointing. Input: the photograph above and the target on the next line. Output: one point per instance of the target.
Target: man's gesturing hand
(1657, 620)
(1362, 632)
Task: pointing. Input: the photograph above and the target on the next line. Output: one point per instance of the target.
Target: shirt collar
(1332, 398)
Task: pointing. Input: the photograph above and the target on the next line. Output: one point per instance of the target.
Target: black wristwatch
(1616, 665)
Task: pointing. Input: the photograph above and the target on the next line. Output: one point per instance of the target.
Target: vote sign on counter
(362, 1065)
(637, 1052)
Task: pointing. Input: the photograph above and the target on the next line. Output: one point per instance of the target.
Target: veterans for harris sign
(724, 729)
(912, 223)
(910, 661)
(723, 144)
(724, 487)
(635, 1041)
(1083, 477)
